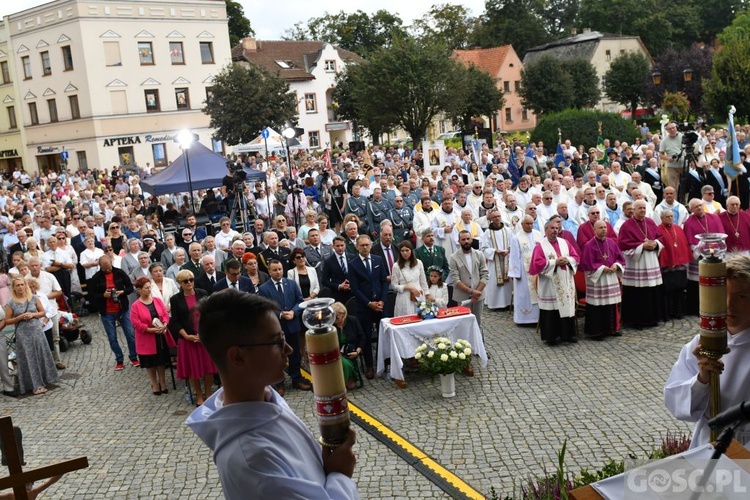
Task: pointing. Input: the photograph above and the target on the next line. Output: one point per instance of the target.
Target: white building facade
(107, 83)
(310, 69)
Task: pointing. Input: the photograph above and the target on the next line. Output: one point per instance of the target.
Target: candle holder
(327, 374)
(712, 272)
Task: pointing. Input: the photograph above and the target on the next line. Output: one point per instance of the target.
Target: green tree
(245, 100)
(511, 22)
(482, 98)
(409, 84)
(239, 25)
(546, 85)
(351, 98)
(356, 31)
(728, 82)
(586, 91)
(626, 79)
(581, 126)
(740, 28)
(558, 16)
(446, 24)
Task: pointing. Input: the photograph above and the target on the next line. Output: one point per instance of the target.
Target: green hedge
(581, 126)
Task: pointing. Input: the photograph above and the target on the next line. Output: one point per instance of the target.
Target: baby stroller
(70, 326)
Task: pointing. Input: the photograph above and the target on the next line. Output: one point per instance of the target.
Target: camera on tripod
(689, 139)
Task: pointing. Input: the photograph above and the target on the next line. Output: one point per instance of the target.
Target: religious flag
(559, 156)
(732, 161)
(512, 167)
(529, 152)
(476, 146)
(366, 158)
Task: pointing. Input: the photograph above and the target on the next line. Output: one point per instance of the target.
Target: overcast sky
(271, 19)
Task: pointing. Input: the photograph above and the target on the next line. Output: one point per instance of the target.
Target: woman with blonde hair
(310, 223)
(36, 368)
(193, 361)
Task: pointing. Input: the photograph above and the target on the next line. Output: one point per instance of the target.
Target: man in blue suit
(368, 276)
(234, 279)
(288, 296)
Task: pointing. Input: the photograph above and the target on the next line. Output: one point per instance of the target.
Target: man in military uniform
(377, 211)
(356, 204)
(401, 216)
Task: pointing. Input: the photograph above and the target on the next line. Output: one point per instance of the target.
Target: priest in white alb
(525, 300)
(495, 245)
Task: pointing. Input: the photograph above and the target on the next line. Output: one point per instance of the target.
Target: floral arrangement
(678, 101)
(441, 356)
(427, 310)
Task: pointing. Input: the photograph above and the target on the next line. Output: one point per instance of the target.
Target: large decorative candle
(712, 272)
(327, 374)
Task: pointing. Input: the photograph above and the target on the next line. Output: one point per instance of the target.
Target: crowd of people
(513, 226)
(499, 228)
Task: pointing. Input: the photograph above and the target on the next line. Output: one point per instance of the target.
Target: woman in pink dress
(193, 362)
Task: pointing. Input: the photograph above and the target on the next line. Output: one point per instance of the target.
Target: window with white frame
(313, 139)
(311, 104)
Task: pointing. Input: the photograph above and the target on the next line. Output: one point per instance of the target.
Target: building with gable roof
(594, 46)
(504, 66)
(310, 68)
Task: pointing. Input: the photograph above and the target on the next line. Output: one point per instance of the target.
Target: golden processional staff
(712, 271)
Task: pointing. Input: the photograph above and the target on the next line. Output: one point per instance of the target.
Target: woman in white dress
(408, 280)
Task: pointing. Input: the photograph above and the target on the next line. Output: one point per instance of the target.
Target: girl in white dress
(437, 289)
(408, 280)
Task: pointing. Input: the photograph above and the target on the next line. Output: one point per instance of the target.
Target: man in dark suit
(431, 254)
(288, 296)
(384, 248)
(193, 263)
(335, 270)
(77, 242)
(234, 278)
(21, 245)
(274, 252)
(210, 276)
(316, 252)
(368, 277)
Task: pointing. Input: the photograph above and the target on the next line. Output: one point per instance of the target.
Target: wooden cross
(18, 479)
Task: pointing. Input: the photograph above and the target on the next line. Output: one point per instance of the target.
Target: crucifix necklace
(737, 227)
(644, 233)
(674, 236)
(601, 250)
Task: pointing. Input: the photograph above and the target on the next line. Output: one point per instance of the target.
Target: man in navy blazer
(234, 279)
(288, 299)
(368, 276)
(334, 276)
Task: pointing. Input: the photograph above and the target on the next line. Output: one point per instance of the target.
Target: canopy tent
(207, 169)
(275, 142)
(257, 145)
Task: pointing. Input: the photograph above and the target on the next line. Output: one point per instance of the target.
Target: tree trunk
(633, 110)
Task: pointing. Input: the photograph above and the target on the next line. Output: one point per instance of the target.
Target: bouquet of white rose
(441, 356)
(427, 310)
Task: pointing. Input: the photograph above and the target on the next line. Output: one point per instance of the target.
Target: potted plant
(443, 357)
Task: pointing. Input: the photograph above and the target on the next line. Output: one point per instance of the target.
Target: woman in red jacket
(152, 341)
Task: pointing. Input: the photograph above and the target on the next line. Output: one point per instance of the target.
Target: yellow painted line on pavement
(412, 450)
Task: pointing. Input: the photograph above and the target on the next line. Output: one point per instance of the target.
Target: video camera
(238, 173)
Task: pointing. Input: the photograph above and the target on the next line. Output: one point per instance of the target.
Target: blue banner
(732, 160)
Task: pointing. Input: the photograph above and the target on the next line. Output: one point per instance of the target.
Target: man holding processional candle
(261, 448)
(687, 393)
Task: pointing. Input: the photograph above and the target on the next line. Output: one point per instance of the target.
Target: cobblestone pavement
(505, 424)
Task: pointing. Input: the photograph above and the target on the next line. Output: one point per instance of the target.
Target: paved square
(505, 424)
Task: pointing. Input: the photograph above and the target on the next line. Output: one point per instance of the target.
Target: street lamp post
(289, 133)
(185, 138)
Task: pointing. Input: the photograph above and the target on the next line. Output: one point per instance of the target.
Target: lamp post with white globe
(185, 138)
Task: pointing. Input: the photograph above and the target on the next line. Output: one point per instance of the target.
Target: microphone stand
(722, 443)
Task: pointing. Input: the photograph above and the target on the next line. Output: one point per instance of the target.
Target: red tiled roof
(488, 60)
(303, 56)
